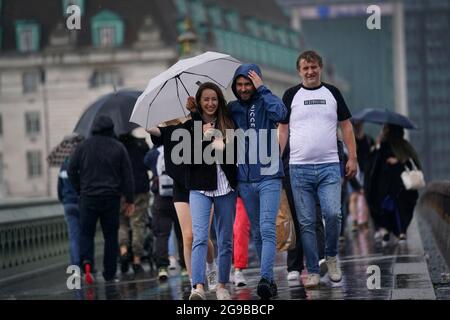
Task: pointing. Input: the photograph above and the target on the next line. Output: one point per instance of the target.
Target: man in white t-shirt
(315, 109)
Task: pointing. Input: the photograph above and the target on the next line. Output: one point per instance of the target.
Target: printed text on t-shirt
(315, 101)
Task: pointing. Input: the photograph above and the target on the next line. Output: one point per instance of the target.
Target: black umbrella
(117, 105)
(384, 117)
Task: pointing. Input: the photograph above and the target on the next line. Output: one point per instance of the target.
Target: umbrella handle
(189, 95)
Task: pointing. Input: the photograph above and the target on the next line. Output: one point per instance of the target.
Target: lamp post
(187, 39)
(46, 125)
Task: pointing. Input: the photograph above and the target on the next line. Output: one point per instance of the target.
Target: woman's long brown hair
(224, 121)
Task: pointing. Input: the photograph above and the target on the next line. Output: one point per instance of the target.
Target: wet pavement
(403, 275)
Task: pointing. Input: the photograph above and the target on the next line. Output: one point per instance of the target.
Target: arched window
(27, 36)
(107, 29)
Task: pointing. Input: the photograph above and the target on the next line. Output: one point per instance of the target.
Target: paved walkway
(403, 275)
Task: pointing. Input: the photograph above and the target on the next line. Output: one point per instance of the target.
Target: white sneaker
(293, 275)
(377, 235)
(402, 238)
(239, 279)
(312, 280)
(323, 268)
(197, 294)
(162, 273)
(222, 294)
(380, 234)
(172, 263)
(334, 271)
(212, 280)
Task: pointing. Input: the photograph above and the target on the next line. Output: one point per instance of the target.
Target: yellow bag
(285, 225)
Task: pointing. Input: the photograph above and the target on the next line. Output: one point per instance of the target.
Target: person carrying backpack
(163, 211)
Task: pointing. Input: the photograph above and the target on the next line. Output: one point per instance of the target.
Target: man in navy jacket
(257, 112)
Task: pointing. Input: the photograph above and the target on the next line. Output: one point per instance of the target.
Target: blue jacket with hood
(262, 111)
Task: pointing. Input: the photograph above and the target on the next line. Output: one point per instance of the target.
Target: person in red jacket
(241, 237)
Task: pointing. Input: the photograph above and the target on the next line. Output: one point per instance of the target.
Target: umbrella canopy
(384, 117)
(117, 105)
(166, 94)
(64, 149)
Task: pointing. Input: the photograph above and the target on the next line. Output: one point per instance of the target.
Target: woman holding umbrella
(211, 184)
(389, 200)
(162, 136)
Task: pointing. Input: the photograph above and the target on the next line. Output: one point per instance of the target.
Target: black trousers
(107, 209)
(164, 215)
(295, 256)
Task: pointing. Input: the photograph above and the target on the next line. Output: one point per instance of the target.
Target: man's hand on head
(256, 79)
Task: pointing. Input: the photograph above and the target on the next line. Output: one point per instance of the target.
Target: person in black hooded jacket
(100, 171)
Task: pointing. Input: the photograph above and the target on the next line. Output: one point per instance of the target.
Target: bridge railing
(435, 209)
(33, 234)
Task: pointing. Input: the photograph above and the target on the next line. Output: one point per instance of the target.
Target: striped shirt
(223, 186)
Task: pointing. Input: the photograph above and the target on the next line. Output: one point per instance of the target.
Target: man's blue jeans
(262, 201)
(324, 181)
(224, 209)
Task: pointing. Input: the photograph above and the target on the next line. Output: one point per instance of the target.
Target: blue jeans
(224, 209)
(72, 217)
(323, 181)
(262, 201)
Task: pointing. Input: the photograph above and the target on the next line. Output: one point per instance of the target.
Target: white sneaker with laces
(334, 271)
(197, 294)
(172, 263)
(162, 274)
(239, 279)
(312, 280)
(222, 294)
(212, 280)
(293, 275)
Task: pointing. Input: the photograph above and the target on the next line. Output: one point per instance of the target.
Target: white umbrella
(166, 94)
